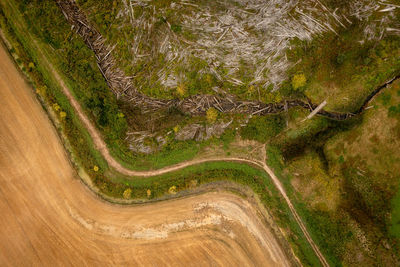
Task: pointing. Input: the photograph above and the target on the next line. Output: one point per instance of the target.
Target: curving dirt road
(50, 218)
(102, 147)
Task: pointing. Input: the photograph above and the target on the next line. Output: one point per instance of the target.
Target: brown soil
(50, 218)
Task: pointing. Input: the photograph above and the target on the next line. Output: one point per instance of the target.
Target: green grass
(172, 154)
(316, 224)
(362, 159)
(359, 156)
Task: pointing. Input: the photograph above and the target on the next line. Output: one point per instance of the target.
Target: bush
(181, 90)
(394, 111)
(127, 193)
(298, 81)
(263, 128)
(212, 115)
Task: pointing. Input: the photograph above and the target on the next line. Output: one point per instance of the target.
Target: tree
(56, 107)
(172, 190)
(127, 193)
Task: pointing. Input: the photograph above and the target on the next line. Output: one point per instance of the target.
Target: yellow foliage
(31, 65)
(121, 115)
(56, 107)
(127, 193)
(298, 81)
(278, 97)
(63, 114)
(181, 90)
(96, 168)
(211, 115)
(172, 190)
(269, 97)
(148, 192)
(176, 128)
(41, 90)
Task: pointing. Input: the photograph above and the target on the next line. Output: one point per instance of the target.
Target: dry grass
(375, 141)
(315, 186)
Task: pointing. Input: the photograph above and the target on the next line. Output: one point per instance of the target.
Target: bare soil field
(50, 218)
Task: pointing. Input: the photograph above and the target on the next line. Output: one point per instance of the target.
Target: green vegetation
(67, 53)
(211, 115)
(342, 176)
(79, 143)
(344, 68)
(145, 70)
(298, 81)
(263, 128)
(163, 72)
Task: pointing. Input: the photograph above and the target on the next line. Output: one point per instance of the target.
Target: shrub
(31, 65)
(212, 115)
(56, 107)
(127, 193)
(41, 90)
(176, 28)
(394, 111)
(181, 90)
(172, 190)
(263, 128)
(298, 81)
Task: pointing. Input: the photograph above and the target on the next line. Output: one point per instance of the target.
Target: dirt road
(49, 217)
(101, 146)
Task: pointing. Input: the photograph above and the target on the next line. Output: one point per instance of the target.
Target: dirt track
(49, 216)
(102, 147)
